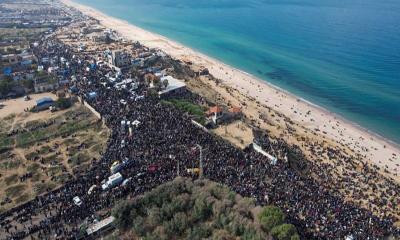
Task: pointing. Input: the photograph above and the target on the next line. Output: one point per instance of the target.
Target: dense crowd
(165, 139)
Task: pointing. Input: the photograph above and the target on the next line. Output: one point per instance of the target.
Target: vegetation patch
(31, 155)
(5, 141)
(40, 188)
(11, 164)
(11, 179)
(186, 106)
(37, 151)
(183, 209)
(23, 198)
(15, 190)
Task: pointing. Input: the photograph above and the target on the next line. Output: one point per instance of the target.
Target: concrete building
(119, 59)
(10, 59)
(215, 113)
(174, 86)
(44, 85)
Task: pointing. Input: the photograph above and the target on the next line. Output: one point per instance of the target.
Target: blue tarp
(44, 101)
(7, 71)
(92, 95)
(27, 62)
(73, 89)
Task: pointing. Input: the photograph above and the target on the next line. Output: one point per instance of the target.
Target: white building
(174, 86)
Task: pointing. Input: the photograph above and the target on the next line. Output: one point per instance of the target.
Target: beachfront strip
(125, 82)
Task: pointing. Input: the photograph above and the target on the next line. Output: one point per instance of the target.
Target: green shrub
(295, 237)
(199, 232)
(187, 209)
(188, 107)
(284, 232)
(15, 190)
(271, 217)
(11, 179)
(122, 214)
(201, 210)
(63, 103)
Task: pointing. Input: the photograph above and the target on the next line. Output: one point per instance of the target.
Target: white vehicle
(123, 126)
(105, 186)
(136, 123)
(91, 189)
(139, 174)
(126, 181)
(112, 181)
(139, 98)
(115, 167)
(77, 201)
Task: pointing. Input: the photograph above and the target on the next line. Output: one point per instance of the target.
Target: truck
(112, 181)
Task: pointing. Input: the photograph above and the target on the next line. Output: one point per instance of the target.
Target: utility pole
(201, 160)
(178, 168)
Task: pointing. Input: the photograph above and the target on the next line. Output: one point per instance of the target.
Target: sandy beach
(310, 118)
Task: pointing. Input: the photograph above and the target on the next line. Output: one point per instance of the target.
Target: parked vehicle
(113, 181)
(77, 201)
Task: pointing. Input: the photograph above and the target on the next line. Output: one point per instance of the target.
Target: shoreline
(375, 147)
(311, 104)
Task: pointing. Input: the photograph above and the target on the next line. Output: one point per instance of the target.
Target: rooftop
(99, 225)
(213, 110)
(173, 84)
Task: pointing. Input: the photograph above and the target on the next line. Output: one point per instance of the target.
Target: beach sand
(318, 123)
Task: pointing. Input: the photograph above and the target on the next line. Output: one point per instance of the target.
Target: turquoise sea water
(342, 55)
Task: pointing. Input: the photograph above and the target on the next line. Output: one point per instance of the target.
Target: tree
(63, 103)
(202, 210)
(271, 217)
(157, 83)
(222, 235)
(28, 83)
(295, 237)
(6, 85)
(122, 214)
(285, 232)
(165, 83)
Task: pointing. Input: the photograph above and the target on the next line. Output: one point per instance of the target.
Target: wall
(97, 114)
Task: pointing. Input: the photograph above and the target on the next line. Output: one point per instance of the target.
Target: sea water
(342, 55)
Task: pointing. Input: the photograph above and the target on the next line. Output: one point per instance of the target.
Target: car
(116, 167)
(91, 189)
(140, 174)
(126, 181)
(77, 201)
(104, 186)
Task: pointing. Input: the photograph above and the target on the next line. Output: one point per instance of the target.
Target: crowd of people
(164, 141)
